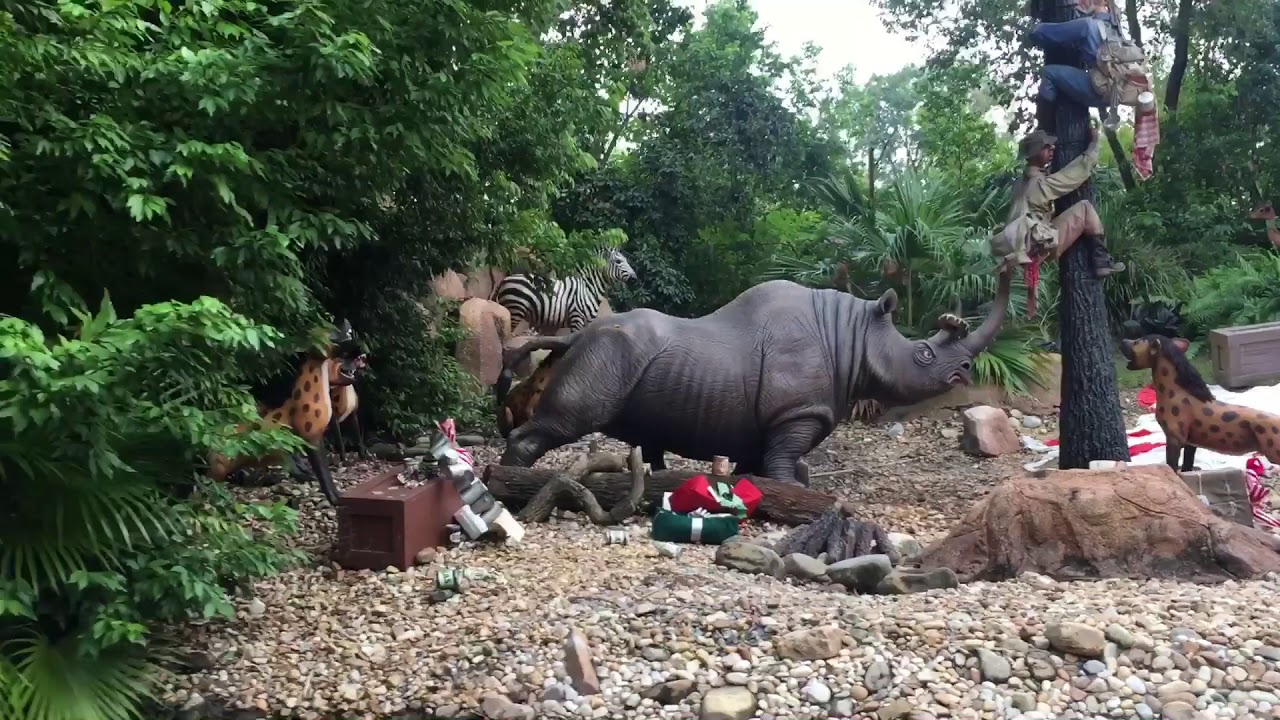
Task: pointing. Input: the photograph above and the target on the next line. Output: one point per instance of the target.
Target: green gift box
(706, 529)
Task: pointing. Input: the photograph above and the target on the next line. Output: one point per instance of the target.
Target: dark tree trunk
(1181, 47)
(1122, 160)
(1092, 425)
(1135, 28)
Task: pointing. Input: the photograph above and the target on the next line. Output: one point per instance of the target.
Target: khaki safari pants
(1077, 220)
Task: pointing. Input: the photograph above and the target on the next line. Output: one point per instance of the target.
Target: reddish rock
(987, 432)
(487, 324)
(481, 282)
(1135, 522)
(577, 663)
(450, 284)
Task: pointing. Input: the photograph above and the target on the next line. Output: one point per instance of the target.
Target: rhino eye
(924, 354)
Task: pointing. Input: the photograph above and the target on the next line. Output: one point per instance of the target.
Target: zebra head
(616, 266)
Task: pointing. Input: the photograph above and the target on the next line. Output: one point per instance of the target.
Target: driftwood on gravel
(838, 535)
(569, 485)
(783, 503)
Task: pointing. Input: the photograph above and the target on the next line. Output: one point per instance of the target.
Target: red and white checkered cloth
(451, 432)
(1146, 135)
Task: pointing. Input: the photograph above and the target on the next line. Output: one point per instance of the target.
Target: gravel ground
(683, 637)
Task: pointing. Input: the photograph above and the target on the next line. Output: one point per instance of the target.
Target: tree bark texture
(783, 503)
(1181, 48)
(1135, 27)
(1092, 425)
(1122, 160)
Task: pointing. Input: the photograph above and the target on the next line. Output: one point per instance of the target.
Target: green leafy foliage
(99, 433)
(695, 193)
(1242, 292)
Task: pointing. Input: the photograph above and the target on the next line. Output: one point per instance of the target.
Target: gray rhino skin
(763, 380)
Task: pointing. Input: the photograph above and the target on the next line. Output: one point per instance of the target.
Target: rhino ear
(888, 302)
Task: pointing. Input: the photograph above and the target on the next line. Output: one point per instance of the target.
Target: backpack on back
(1122, 72)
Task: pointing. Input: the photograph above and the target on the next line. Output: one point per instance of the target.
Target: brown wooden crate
(383, 523)
(1245, 355)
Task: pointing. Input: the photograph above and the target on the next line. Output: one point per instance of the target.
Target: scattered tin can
(471, 523)
(473, 491)
(667, 549)
(720, 466)
(1146, 102)
(617, 536)
(491, 516)
(447, 579)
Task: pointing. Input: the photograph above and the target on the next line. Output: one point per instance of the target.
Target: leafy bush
(99, 435)
(1152, 270)
(1242, 292)
(1154, 317)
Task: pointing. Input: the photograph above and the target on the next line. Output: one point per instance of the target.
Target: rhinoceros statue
(763, 380)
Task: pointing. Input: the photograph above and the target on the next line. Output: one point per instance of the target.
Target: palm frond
(1012, 362)
(61, 681)
(66, 518)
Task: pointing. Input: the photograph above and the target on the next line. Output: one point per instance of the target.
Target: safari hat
(1034, 143)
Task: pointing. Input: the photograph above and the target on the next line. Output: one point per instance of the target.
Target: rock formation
(1136, 522)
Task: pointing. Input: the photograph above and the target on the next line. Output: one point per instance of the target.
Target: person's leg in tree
(1084, 35)
(1079, 220)
(1056, 80)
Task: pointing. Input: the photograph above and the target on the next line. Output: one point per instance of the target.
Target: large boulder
(450, 284)
(1133, 522)
(481, 282)
(987, 432)
(488, 325)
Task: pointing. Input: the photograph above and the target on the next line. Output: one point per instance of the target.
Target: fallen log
(783, 503)
(567, 490)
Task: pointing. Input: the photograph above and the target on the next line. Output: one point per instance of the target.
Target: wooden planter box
(383, 523)
(1245, 355)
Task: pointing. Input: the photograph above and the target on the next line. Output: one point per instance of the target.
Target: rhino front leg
(785, 445)
(654, 456)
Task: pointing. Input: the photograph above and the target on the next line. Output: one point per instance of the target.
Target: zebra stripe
(572, 302)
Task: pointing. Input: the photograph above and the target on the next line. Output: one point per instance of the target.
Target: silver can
(472, 492)
(617, 536)
(720, 466)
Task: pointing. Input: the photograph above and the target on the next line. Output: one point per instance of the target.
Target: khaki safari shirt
(1033, 229)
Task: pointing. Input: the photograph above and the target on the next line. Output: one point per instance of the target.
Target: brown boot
(1103, 264)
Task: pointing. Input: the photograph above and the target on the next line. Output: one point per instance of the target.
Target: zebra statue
(573, 302)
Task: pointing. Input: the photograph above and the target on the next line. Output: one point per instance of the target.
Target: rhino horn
(887, 303)
(980, 339)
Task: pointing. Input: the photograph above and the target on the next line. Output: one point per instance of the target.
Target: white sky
(848, 31)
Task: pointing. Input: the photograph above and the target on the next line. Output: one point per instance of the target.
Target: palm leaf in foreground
(60, 681)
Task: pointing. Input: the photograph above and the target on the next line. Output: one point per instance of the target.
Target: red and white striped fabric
(1259, 494)
(1146, 135)
(450, 431)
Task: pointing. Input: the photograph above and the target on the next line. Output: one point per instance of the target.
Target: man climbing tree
(1092, 426)
(1033, 234)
